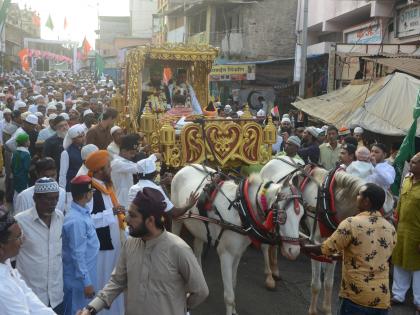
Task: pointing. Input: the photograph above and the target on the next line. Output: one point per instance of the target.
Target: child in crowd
(362, 167)
(21, 161)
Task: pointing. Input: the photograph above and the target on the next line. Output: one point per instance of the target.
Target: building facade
(19, 25)
(343, 36)
(141, 16)
(256, 41)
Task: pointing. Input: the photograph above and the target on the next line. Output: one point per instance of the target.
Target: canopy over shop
(384, 106)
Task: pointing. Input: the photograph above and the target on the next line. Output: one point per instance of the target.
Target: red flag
(24, 59)
(36, 20)
(86, 47)
(65, 22)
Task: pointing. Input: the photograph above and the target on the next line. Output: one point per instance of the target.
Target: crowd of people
(83, 219)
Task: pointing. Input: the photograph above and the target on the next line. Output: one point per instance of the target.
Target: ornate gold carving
(252, 138)
(223, 141)
(192, 144)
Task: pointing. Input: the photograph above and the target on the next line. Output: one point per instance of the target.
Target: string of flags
(36, 21)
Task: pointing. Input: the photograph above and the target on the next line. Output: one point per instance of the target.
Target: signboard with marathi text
(408, 21)
(367, 33)
(240, 72)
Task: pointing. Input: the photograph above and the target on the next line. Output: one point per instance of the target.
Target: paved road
(292, 295)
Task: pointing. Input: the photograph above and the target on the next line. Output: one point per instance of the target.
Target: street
(291, 297)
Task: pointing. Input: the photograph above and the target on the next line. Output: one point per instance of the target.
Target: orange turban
(97, 160)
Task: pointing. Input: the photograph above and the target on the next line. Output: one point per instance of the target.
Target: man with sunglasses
(39, 260)
(15, 295)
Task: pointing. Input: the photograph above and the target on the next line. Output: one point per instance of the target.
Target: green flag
(3, 10)
(49, 23)
(99, 65)
(407, 149)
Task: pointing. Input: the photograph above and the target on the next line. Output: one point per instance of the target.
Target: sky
(81, 16)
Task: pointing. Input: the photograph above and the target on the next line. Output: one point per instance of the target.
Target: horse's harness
(267, 232)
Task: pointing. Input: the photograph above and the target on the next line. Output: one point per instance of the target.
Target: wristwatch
(91, 310)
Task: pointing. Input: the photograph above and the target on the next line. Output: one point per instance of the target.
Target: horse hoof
(276, 277)
(270, 287)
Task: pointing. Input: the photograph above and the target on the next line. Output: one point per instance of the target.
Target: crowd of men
(77, 185)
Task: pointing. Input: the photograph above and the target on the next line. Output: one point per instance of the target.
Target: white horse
(231, 245)
(345, 192)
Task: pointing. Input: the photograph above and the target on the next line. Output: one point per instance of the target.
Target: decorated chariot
(161, 103)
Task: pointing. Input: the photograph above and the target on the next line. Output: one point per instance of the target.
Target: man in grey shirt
(158, 269)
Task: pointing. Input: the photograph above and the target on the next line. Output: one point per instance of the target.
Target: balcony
(199, 38)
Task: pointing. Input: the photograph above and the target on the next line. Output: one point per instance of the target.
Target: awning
(403, 64)
(384, 107)
(335, 107)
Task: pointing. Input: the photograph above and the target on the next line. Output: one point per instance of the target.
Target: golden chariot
(221, 142)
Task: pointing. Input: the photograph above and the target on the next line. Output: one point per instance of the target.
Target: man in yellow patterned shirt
(366, 242)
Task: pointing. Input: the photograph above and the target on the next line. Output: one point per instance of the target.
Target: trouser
(347, 307)
(402, 282)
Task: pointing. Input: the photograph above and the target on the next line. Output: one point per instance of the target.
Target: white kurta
(107, 259)
(383, 175)
(122, 171)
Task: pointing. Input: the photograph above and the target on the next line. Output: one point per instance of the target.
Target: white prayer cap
(33, 108)
(7, 111)
(38, 97)
(313, 131)
(51, 107)
(148, 165)
(261, 113)
(88, 149)
(52, 116)
(294, 140)
(46, 185)
(74, 132)
(115, 128)
(286, 119)
(65, 116)
(285, 116)
(358, 131)
(32, 119)
(87, 112)
(39, 114)
(19, 104)
(239, 113)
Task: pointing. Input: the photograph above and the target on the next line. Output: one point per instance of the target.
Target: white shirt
(45, 133)
(40, 260)
(383, 175)
(143, 183)
(25, 200)
(113, 150)
(16, 298)
(64, 167)
(9, 127)
(360, 169)
(122, 171)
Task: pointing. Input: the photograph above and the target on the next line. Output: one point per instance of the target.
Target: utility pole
(304, 50)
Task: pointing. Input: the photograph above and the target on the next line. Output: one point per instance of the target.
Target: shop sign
(233, 72)
(408, 21)
(368, 33)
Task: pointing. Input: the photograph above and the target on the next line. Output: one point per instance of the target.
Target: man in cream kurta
(157, 268)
